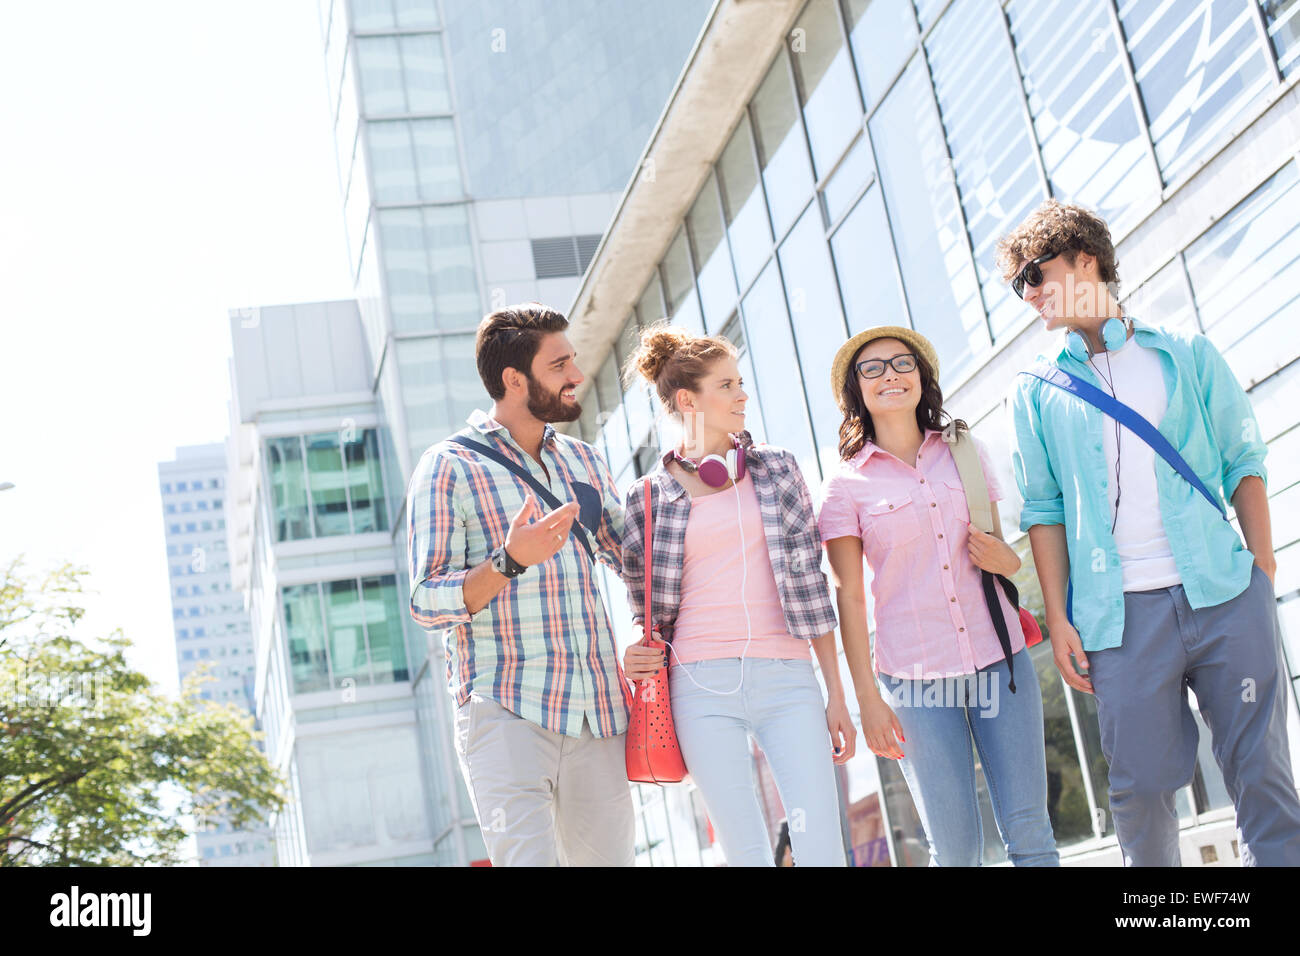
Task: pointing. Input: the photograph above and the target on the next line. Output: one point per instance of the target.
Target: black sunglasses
(1030, 275)
(874, 368)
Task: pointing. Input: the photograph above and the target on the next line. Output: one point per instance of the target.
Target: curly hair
(669, 357)
(1065, 229)
(857, 429)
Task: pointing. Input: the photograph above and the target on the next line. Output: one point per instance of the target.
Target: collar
(870, 448)
(485, 424)
(673, 488)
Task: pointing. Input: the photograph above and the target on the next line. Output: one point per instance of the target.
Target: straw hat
(917, 342)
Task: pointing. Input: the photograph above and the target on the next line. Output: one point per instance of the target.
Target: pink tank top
(711, 620)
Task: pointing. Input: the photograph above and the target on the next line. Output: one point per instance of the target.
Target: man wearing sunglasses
(1148, 590)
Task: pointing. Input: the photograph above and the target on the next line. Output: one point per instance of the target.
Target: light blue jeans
(780, 705)
(940, 718)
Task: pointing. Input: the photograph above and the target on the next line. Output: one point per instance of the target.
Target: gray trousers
(541, 798)
(1230, 656)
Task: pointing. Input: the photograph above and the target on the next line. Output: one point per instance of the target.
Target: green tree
(91, 753)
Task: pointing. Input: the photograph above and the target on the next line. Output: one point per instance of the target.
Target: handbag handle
(647, 618)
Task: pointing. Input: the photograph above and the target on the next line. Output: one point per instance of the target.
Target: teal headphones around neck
(1113, 334)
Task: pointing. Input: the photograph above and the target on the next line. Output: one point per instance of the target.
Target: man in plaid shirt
(531, 664)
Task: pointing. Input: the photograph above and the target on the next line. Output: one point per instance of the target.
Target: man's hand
(530, 541)
(1066, 642)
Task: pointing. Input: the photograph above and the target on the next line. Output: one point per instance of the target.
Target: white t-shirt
(1139, 382)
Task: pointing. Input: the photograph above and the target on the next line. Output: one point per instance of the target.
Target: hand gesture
(641, 661)
(534, 536)
(1066, 643)
(843, 733)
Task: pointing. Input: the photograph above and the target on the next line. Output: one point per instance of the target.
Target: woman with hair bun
(738, 595)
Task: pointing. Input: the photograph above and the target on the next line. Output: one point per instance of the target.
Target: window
(831, 108)
(201, 505)
(942, 291)
(1199, 68)
(166, 488)
(180, 486)
(187, 506)
(679, 286)
(413, 160)
(717, 283)
(174, 528)
(1086, 118)
(742, 202)
(402, 74)
(980, 101)
(429, 268)
(1283, 19)
(883, 35)
(1245, 278)
(191, 526)
(864, 260)
(783, 155)
(217, 504)
(171, 509)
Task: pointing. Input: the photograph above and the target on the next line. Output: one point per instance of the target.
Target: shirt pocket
(959, 510)
(894, 522)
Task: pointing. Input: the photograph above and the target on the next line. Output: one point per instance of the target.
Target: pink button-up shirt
(930, 615)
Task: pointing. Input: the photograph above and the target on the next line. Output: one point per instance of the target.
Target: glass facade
(324, 484)
(344, 633)
(886, 149)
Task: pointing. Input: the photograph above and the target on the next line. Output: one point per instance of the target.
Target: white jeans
(780, 705)
(541, 798)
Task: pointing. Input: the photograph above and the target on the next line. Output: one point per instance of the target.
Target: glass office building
(208, 618)
(831, 165)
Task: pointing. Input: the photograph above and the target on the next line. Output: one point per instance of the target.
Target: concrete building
(210, 626)
(825, 166)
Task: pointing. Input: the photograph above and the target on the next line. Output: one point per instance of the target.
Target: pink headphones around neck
(715, 470)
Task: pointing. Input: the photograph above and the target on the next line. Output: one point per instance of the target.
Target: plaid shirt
(788, 523)
(542, 648)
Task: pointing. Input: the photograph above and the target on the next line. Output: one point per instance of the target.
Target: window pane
(680, 286)
(392, 161)
(831, 108)
(977, 87)
(1246, 279)
(383, 614)
(849, 179)
(306, 635)
(767, 330)
(735, 334)
(436, 159)
(635, 400)
(818, 326)
(783, 156)
(1164, 300)
(365, 482)
(288, 488)
(325, 471)
(883, 36)
(712, 258)
(416, 14)
(1087, 123)
(440, 387)
(371, 14)
(425, 73)
(747, 226)
(347, 642)
(650, 307)
(446, 236)
(864, 259)
(1283, 18)
(381, 75)
(1199, 68)
(928, 233)
(927, 10)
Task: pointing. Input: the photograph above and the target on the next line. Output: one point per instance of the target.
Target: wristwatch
(502, 563)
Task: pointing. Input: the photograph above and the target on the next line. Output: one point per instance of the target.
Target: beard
(548, 406)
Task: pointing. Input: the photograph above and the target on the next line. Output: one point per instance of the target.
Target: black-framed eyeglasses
(874, 367)
(1030, 275)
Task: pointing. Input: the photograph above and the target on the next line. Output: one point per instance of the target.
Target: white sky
(160, 163)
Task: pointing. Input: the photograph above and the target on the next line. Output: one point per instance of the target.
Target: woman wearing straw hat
(945, 680)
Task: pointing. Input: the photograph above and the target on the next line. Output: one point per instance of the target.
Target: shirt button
(933, 505)
(891, 507)
(960, 629)
(941, 536)
(945, 567)
(953, 600)
(922, 481)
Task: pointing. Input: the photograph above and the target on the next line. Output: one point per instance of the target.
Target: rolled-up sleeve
(436, 541)
(838, 516)
(1030, 463)
(1232, 419)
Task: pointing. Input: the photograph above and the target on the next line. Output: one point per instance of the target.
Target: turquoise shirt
(1061, 471)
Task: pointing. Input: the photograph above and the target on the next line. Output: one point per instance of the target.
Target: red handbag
(1029, 624)
(652, 752)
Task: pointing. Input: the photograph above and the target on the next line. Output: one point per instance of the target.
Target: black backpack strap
(576, 529)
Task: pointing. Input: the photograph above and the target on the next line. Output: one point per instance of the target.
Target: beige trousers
(541, 798)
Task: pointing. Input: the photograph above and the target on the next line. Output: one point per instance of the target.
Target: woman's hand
(641, 662)
(991, 553)
(843, 733)
(880, 726)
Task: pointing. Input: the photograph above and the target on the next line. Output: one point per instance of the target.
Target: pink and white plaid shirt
(931, 619)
